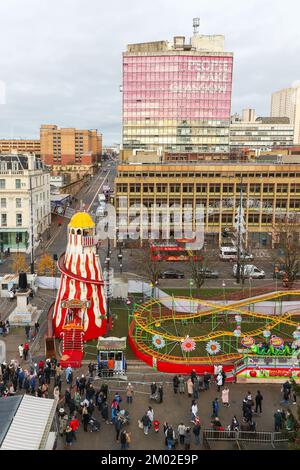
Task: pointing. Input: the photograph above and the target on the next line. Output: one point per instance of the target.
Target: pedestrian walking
(175, 384)
(206, 380)
(118, 427)
(277, 420)
(223, 377)
(181, 384)
(104, 412)
(215, 408)
(25, 351)
(258, 402)
(69, 437)
(74, 425)
(153, 388)
(36, 327)
(27, 331)
(181, 433)
(56, 393)
(69, 375)
(196, 388)
(146, 423)
(160, 393)
(156, 424)
(123, 440)
(190, 387)
(170, 436)
(194, 411)
(62, 421)
(129, 393)
(187, 439)
(196, 431)
(150, 414)
(85, 417)
(225, 397)
(21, 349)
(219, 381)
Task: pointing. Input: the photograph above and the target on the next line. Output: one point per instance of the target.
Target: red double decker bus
(171, 251)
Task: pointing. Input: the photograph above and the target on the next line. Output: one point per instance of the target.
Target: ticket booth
(111, 356)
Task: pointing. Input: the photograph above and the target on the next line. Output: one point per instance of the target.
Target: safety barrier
(249, 436)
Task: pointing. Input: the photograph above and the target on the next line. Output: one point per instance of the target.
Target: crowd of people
(79, 398)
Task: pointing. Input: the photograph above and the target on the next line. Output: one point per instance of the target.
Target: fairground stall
(111, 356)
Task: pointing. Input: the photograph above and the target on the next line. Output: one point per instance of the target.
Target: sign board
(75, 303)
(271, 373)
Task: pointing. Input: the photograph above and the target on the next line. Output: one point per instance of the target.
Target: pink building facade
(179, 101)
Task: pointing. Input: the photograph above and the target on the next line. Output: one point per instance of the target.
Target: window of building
(2, 184)
(3, 220)
(18, 202)
(3, 203)
(253, 218)
(19, 220)
(18, 184)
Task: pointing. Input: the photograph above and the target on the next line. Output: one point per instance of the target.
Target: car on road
(249, 270)
(209, 274)
(171, 274)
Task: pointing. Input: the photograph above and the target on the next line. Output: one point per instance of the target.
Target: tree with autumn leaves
(46, 265)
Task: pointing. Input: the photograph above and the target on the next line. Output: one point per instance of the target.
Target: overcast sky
(61, 59)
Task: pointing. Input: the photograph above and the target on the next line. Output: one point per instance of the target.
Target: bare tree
(150, 266)
(199, 264)
(289, 234)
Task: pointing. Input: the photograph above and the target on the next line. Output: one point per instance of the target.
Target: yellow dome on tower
(81, 220)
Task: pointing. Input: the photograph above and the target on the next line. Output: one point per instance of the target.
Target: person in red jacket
(74, 424)
(25, 351)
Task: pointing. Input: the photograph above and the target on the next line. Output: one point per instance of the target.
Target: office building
(70, 146)
(286, 102)
(270, 191)
(20, 146)
(250, 131)
(177, 96)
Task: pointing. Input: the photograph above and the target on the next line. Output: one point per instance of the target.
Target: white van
(250, 271)
(228, 253)
(100, 212)
(101, 198)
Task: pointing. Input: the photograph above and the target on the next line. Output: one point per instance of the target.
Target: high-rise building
(177, 96)
(250, 131)
(286, 102)
(70, 146)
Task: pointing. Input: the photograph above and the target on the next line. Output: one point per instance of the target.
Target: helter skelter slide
(79, 312)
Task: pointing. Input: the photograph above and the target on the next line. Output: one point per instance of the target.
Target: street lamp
(191, 285)
(223, 286)
(250, 286)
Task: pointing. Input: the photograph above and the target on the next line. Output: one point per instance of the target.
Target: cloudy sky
(60, 60)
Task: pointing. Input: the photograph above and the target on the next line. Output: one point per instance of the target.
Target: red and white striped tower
(81, 301)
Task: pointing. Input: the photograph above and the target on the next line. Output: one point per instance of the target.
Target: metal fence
(249, 436)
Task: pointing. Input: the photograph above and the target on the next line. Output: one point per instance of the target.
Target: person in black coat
(175, 383)
(258, 402)
(153, 388)
(160, 393)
